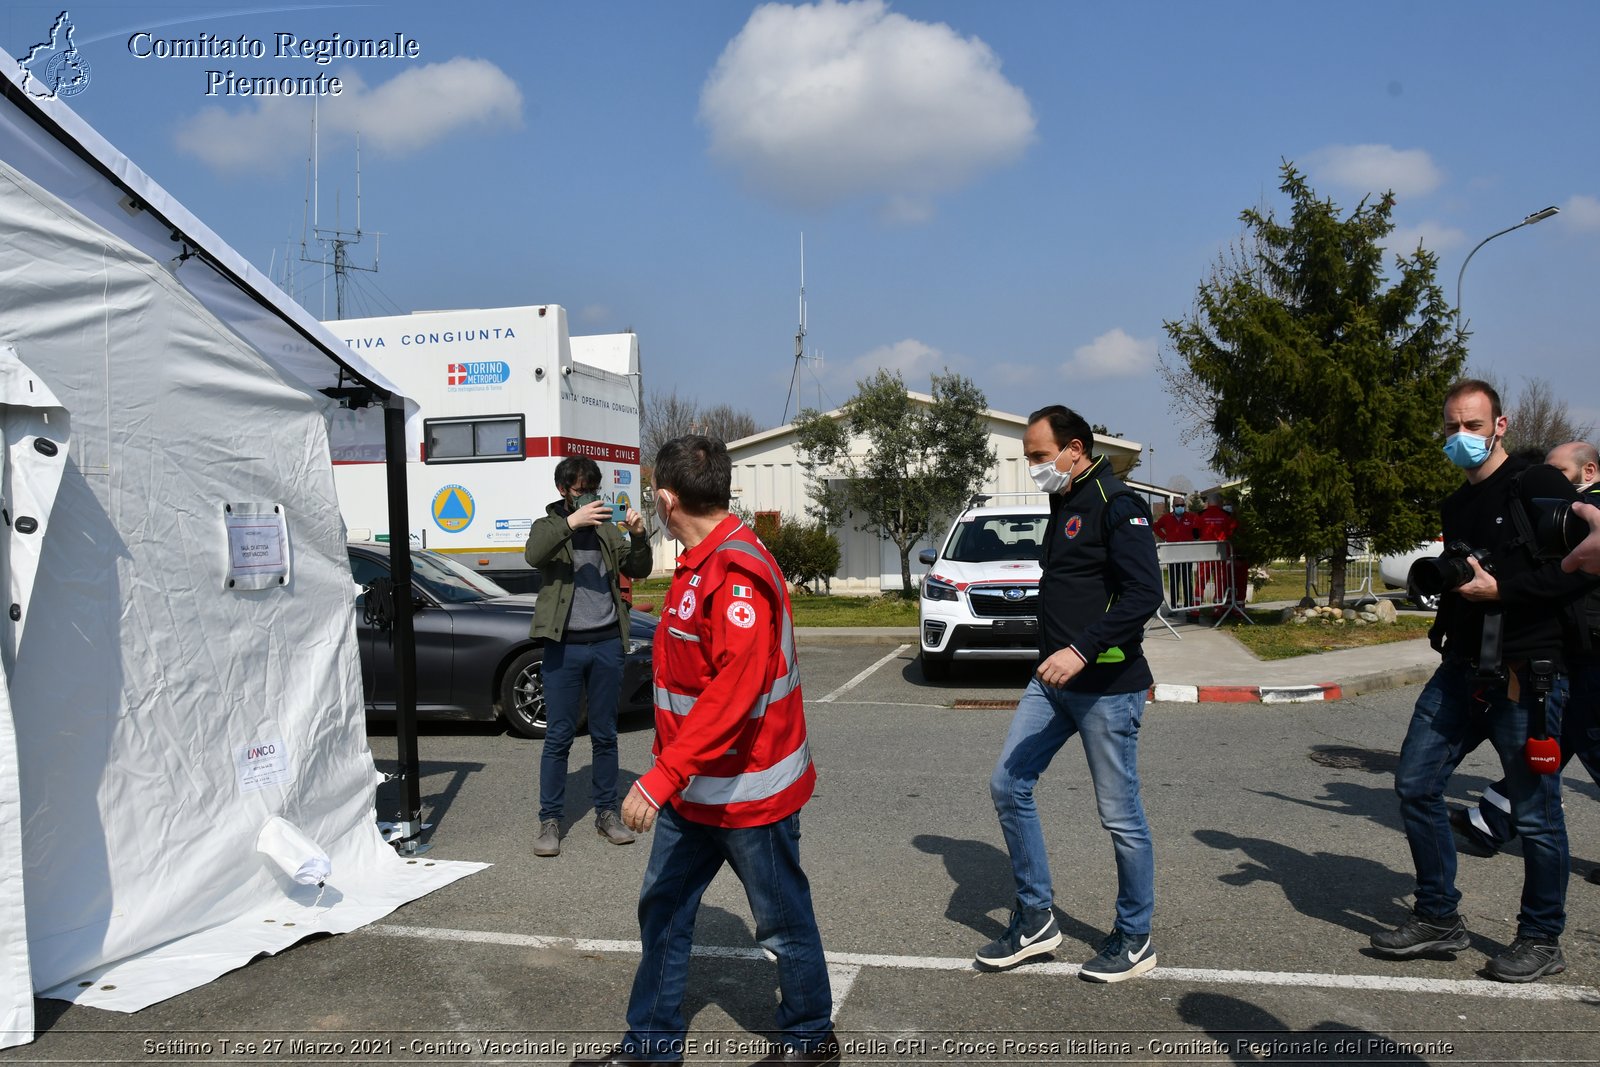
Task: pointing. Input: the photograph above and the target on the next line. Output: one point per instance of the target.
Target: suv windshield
(990, 538)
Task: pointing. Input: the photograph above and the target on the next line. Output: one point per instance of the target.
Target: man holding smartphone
(582, 620)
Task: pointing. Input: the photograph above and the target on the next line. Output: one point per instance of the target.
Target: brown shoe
(548, 843)
(608, 824)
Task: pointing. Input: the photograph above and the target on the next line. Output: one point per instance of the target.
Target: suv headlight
(638, 645)
(935, 589)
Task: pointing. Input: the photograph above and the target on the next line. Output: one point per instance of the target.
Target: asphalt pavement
(1278, 851)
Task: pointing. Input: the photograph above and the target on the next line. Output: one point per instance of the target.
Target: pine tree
(1324, 383)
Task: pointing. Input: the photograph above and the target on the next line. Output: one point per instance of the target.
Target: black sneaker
(1123, 956)
(1470, 839)
(1031, 933)
(1418, 936)
(1527, 959)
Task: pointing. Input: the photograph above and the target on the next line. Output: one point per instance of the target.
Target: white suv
(980, 598)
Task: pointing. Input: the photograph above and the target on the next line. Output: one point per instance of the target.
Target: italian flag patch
(744, 591)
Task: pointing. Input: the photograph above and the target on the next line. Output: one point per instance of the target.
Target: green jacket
(549, 549)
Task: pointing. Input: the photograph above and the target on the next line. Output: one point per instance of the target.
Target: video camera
(1432, 575)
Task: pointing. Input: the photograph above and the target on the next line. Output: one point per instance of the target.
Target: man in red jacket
(732, 769)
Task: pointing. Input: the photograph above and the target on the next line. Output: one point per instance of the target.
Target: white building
(768, 477)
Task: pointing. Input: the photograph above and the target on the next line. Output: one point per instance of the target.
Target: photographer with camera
(1501, 637)
(580, 552)
(1485, 829)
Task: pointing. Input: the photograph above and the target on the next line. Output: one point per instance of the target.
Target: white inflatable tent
(176, 630)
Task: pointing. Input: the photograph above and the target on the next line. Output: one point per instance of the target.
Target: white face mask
(1049, 479)
(661, 507)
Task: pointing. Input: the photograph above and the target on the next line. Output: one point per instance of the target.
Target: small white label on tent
(258, 545)
(261, 764)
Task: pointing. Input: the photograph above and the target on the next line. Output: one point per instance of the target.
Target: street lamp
(1537, 216)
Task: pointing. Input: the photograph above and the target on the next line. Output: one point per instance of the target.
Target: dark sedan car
(475, 659)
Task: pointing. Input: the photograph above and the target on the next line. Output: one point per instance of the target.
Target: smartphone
(585, 500)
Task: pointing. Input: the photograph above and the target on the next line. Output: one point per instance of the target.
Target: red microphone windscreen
(1543, 755)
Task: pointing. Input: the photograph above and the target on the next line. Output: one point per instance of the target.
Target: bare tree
(1536, 418)
(668, 415)
(665, 416)
(727, 422)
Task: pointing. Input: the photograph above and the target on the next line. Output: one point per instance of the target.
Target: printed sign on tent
(258, 545)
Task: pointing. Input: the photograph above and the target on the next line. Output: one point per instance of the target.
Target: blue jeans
(684, 857)
(1453, 714)
(569, 670)
(1580, 737)
(1109, 724)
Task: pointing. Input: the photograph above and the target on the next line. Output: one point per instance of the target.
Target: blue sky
(1020, 191)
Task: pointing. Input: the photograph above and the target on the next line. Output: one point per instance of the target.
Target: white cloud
(405, 114)
(1113, 355)
(915, 360)
(1434, 236)
(1581, 213)
(819, 103)
(1375, 169)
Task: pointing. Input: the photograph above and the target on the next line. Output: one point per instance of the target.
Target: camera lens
(1556, 530)
(1432, 575)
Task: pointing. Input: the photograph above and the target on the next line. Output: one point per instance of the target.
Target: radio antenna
(799, 334)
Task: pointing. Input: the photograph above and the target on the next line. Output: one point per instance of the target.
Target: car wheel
(934, 668)
(522, 696)
(1422, 601)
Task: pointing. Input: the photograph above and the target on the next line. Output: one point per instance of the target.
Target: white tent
(176, 634)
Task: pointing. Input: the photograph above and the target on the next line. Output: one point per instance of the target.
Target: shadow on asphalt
(1358, 894)
(1247, 1033)
(745, 989)
(982, 875)
(1008, 676)
(436, 796)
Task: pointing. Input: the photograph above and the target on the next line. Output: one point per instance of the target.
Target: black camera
(1432, 575)
(1556, 530)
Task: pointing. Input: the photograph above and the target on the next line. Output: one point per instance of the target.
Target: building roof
(1122, 451)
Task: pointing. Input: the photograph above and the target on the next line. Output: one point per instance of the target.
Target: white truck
(505, 394)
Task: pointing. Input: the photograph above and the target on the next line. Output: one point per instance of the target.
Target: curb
(1246, 694)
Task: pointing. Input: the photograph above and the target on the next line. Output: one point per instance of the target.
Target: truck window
(473, 439)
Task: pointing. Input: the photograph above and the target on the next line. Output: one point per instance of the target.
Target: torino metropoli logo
(318, 51)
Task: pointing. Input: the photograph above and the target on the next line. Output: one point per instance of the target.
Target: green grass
(813, 610)
(1272, 639)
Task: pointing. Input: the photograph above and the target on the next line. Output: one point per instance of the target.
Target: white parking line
(844, 966)
(863, 676)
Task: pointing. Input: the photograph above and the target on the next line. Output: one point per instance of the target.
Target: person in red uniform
(1177, 525)
(732, 769)
(1215, 523)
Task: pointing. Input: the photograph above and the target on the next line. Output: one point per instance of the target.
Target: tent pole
(405, 638)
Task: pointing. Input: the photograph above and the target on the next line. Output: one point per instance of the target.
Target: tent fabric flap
(33, 441)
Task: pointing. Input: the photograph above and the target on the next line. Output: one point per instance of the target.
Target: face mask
(1049, 479)
(1179, 510)
(661, 508)
(1467, 450)
(1228, 508)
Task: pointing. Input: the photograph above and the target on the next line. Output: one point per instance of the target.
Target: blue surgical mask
(1468, 450)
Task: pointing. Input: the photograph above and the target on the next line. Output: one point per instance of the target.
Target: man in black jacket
(1483, 830)
(1100, 586)
(1489, 689)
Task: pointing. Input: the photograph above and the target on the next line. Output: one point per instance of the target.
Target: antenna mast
(799, 334)
(336, 242)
